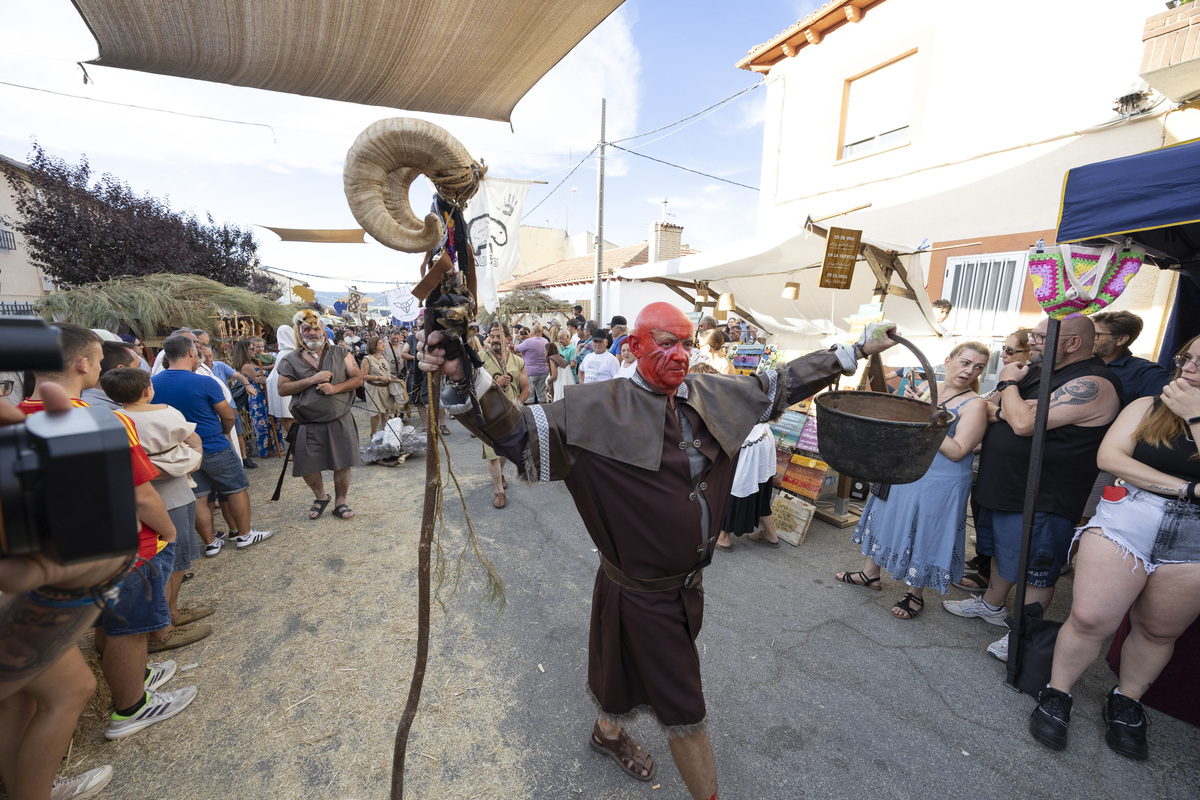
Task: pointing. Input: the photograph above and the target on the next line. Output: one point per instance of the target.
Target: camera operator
(141, 605)
(44, 681)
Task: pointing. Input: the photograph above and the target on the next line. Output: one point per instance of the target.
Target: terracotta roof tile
(582, 269)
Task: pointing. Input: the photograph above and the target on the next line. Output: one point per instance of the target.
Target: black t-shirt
(1069, 457)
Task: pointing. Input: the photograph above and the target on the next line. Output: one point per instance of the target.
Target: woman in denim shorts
(1139, 554)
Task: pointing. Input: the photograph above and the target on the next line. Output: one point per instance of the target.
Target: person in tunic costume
(321, 379)
(648, 601)
(508, 372)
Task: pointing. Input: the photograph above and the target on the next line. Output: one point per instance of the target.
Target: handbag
(1070, 280)
(1038, 637)
(398, 392)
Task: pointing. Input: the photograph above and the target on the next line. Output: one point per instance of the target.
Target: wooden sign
(804, 476)
(841, 253)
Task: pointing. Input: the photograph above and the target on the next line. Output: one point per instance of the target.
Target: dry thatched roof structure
(154, 303)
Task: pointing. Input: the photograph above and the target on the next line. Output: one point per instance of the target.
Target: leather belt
(686, 581)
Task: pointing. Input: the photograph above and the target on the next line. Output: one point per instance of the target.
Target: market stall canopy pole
(472, 58)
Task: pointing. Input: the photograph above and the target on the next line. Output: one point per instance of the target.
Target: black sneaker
(249, 463)
(1126, 721)
(1048, 723)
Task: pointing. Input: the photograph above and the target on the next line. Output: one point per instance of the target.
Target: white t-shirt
(627, 370)
(599, 367)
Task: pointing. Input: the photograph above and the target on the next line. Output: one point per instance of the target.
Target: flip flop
(625, 751)
(758, 537)
(319, 507)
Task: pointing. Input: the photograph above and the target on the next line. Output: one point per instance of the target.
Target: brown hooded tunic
(621, 448)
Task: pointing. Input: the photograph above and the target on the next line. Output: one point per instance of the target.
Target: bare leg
(124, 668)
(239, 507)
(230, 519)
(316, 482)
(204, 520)
(1166, 607)
(694, 759)
(341, 488)
(768, 528)
(59, 695)
(287, 424)
(998, 589)
(423, 411)
(15, 712)
(1105, 587)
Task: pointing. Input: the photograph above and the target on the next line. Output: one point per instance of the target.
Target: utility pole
(597, 287)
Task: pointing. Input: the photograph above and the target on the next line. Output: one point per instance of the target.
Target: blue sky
(655, 62)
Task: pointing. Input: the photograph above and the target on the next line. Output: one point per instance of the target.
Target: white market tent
(755, 272)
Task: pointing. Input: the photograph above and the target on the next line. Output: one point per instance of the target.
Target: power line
(690, 116)
(144, 108)
(560, 183)
(685, 169)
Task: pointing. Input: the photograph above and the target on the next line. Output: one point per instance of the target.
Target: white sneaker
(159, 706)
(88, 784)
(1000, 649)
(211, 550)
(159, 674)
(253, 537)
(975, 607)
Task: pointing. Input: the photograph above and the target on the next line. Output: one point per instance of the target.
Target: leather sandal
(860, 579)
(499, 501)
(625, 751)
(906, 605)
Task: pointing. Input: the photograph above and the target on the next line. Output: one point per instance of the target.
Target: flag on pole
(494, 221)
(402, 304)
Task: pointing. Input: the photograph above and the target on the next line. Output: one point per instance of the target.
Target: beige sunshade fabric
(328, 236)
(473, 58)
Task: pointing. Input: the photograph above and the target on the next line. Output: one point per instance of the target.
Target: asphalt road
(814, 689)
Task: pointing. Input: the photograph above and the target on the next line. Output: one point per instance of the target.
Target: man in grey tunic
(321, 378)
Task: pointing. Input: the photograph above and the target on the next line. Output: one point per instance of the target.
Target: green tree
(80, 231)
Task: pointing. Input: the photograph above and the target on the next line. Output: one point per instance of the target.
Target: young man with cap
(598, 365)
(673, 467)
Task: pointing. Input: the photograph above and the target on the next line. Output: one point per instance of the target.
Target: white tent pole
(597, 300)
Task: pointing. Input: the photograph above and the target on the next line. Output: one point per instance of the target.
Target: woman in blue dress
(918, 533)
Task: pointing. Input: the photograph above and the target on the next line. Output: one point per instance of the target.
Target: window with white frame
(985, 292)
(878, 109)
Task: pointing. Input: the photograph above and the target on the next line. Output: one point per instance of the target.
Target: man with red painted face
(647, 603)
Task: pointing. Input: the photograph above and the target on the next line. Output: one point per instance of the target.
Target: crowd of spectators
(182, 417)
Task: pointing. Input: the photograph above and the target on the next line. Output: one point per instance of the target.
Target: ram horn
(382, 164)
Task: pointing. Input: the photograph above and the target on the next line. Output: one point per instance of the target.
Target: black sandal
(905, 605)
(318, 507)
(867, 583)
(343, 512)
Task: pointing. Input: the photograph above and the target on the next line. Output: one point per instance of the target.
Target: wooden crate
(792, 517)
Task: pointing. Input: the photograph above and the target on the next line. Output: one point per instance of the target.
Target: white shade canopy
(756, 270)
(473, 58)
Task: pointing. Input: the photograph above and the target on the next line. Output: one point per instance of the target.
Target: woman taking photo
(1139, 554)
(377, 382)
(918, 531)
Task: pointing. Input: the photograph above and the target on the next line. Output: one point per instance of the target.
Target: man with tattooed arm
(1085, 399)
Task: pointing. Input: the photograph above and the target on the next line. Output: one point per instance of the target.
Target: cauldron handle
(929, 376)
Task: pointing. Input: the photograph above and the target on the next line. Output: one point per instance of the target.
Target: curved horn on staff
(382, 164)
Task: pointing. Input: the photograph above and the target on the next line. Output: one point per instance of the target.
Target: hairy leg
(239, 506)
(124, 668)
(341, 485)
(694, 759)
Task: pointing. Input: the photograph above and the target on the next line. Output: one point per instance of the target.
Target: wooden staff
(433, 491)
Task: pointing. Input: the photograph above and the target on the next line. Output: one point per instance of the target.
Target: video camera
(66, 478)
